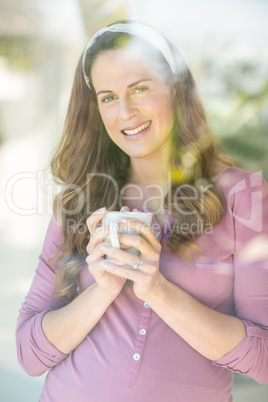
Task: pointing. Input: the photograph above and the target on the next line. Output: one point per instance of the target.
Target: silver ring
(138, 264)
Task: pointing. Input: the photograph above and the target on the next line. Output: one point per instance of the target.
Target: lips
(138, 129)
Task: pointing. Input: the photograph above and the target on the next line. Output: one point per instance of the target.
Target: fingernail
(99, 211)
(124, 247)
(104, 264)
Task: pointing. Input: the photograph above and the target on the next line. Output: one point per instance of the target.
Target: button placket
(139, 345)
(136, 356)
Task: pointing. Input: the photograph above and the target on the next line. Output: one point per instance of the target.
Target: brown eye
(140, 90)
(108, 99)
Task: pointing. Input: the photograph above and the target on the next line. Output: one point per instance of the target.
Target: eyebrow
(108, 91)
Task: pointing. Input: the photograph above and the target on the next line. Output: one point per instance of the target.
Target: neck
(152, 171)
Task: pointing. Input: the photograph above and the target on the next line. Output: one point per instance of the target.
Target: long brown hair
(93, 169)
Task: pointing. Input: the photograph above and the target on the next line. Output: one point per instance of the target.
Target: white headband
(134, 28)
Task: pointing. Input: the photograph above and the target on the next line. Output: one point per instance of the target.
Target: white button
(158, 234)
(142, 331)
(136, 356)
(146, 305)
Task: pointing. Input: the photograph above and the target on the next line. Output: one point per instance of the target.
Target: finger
(119, 255)
(96, 269)
(97, 236)
(150, 252)
(144, 230)
(115, 262)
(94, 219)
(101, 235)
(96, 254)
(149, 265)
(124, 209)
(134, 275)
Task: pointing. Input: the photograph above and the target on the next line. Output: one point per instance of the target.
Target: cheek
(166, 113)
(109, 119)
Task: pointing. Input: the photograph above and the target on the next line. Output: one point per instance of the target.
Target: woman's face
(134, 101)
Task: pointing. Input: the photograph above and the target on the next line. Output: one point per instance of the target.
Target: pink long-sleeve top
(132, 354)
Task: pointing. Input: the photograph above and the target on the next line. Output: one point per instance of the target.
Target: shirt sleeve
(250, 216)
(35, 353)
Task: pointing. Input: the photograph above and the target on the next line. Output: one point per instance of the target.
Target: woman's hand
(104, 279)
(147, 280)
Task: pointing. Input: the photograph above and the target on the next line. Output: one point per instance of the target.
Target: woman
(195, 308)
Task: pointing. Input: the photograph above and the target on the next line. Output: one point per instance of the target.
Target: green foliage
(236, 99)
(21, 52)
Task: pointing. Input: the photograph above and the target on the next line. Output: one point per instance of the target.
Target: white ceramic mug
(112, 218)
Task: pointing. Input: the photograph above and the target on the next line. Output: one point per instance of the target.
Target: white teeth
(137, 130)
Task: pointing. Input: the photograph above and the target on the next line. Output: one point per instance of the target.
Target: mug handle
(114, 234)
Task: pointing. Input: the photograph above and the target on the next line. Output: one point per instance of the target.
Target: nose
(127, 109)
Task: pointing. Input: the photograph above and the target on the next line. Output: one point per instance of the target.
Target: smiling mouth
(138, 129)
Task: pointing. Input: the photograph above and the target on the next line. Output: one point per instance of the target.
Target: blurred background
(224, 43)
